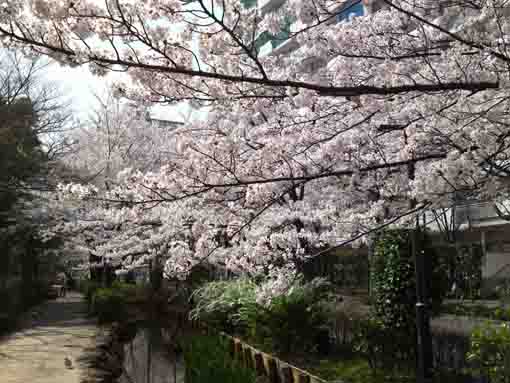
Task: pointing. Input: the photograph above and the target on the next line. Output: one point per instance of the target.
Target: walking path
(37, 353)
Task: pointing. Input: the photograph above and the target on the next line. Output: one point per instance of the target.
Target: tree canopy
(364, 124)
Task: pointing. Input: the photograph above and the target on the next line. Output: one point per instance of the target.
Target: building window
(248, 3)
(347, 13)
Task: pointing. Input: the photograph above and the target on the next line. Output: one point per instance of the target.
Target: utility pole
(423, 334)
(422, 277)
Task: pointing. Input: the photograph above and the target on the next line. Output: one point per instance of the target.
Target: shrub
(131, 292)
(219, 303)
(109, 305)
(393, 279)
(394, 293)
(208, 360)
(88, 288)
(382, 347)
(296, 320)
(490, 352)
(393, 283)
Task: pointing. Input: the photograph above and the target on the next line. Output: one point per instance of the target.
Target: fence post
(274, 377)
(287, 374)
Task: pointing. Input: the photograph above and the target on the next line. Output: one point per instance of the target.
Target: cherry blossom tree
(118, 135)
(366, 123)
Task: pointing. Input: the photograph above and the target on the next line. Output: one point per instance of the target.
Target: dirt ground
(52, 332)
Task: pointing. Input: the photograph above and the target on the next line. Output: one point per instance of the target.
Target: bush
(392, 323)
(208, 360)
(382, 347)
(296, 320)
(88, 288)
(393, 283)
(219, 303)
(109, 305)
(132, 293)
(490, 352)
(393, 279)
(394, 295)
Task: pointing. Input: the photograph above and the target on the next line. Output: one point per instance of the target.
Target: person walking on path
(62, 281)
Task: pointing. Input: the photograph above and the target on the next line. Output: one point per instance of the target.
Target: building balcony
(277, 47)
(266, 49)
(269, 5)
(347, 10)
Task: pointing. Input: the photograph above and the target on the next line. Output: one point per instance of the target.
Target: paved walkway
(37, 352)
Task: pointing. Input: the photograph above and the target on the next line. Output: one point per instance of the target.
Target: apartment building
(282, 42)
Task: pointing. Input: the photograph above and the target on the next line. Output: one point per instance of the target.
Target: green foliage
(352, 370)
(88, 288)
(295, 321)
(110, 304)
(490, 352)
(384, 348)
(132, 292)
(208, 360)
(393, 283)
(388, 338)
(20, 154)
(220, 303)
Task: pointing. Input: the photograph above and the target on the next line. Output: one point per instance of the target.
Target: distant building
(168, 116)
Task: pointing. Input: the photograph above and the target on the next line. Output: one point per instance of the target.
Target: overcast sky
(79, 86)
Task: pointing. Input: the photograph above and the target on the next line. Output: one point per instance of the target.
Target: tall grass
(208, 360)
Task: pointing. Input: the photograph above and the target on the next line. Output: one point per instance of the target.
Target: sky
(80, 87)
(78, 84)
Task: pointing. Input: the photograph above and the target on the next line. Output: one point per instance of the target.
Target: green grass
(208, 360)
(354, 370)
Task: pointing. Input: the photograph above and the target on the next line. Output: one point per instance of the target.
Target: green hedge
(490, 352)
(110, 304)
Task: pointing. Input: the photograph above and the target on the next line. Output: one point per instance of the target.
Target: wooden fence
(268, 366)
(274, 369)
